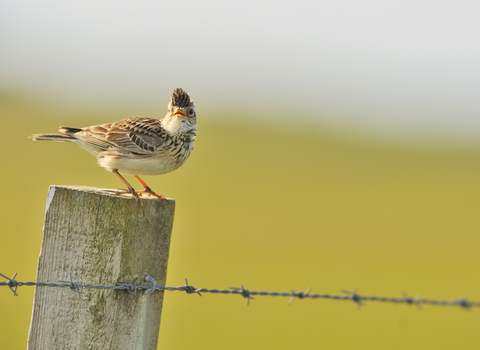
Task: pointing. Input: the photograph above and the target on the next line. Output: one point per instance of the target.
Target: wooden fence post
(100, 238)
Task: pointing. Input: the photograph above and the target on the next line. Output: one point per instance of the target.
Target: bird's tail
(68, 135)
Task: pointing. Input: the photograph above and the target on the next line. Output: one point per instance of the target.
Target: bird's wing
(135, 134)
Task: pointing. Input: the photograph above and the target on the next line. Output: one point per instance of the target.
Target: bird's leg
(130, 190)
(148, 190)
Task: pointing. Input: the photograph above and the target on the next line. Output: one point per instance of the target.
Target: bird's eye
(191, 112)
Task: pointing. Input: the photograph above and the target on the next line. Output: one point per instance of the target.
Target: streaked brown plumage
(139, 146)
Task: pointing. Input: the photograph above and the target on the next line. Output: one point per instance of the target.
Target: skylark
(139, 146)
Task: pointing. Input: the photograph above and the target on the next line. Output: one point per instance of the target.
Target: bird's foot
(149, 191)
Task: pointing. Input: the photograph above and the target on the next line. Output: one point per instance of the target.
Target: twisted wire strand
(132, 288)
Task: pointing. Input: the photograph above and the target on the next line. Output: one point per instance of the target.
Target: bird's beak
(179, 114)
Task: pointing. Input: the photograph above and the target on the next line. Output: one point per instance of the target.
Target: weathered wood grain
(100, 238)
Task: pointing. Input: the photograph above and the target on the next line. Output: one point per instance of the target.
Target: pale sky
(385, 65)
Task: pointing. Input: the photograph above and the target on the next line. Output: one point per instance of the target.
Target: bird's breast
(170, 157)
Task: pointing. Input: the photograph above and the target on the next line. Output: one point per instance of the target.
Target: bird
(139, 146)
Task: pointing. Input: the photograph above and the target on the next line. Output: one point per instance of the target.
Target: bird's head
(181, 114)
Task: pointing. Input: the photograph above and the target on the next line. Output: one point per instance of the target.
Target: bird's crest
(180, 98)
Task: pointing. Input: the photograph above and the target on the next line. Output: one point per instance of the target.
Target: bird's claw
(149, 192)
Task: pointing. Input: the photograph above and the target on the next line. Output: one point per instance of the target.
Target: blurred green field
(273, 208)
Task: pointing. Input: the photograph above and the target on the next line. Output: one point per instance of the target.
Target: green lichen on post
(100, 238)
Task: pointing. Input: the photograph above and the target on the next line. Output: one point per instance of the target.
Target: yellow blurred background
(337, 149)
(273, 208)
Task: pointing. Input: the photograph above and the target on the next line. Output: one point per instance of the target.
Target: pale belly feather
(140, 166)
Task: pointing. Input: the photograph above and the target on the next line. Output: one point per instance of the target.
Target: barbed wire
(132, 288)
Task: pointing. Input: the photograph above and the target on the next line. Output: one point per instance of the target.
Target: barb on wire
(190, 289)
(462, 302)
(299, 295)
(132, 288)
(412, 300)
(12, 283)
(74, 286)
(244, 293)
(357, 299)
